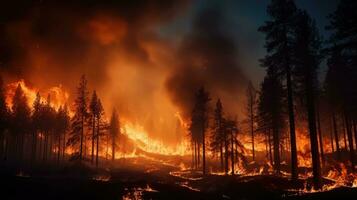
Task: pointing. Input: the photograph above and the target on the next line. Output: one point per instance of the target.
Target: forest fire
(178, 99)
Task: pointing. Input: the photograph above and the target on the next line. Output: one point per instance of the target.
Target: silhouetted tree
(114, 128)
(343, 24)
(20, 120)
(4, 119)
(100, 127)
(200, 120)
(251, 106)
(279, 45)
(93, 108)
(79, 118)
(271, 111)
(307, 59)
(217, 137)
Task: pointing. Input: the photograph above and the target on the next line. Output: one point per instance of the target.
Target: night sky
(244, 17)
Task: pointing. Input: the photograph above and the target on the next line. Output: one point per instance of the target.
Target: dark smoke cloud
(209, 58)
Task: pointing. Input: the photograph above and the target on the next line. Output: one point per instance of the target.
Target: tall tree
(307, 59)
(343, 24)
(100, 127)
(4, 118)
(93, 108)
(279, 45)
(20, 120)
(217, 137)
(200, 112)
(271, 109)
(114, 129)
(251, 106)
(79, 118)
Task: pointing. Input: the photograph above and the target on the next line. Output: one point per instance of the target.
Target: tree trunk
(221, 156)
(252, 128)
(316, 168)
(270, 149)
(320, 136)
(82, 133)
(203, 150)
(336, 136)
(59, 149)
(355, 132)
(64, 146)
(294, 164)
(350, 141)
(232, 152)
(331, 139)
(96, 158)
(93, 138)
(226, 153)
(344, 132)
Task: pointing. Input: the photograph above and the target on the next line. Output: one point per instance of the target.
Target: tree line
(292, 94)
(40, 133)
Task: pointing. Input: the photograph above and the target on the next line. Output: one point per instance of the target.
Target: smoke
(209, 58)
(119, 47)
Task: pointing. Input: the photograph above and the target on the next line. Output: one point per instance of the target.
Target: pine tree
(279, 45)
(20, 120)
(251, 106)
(307, 58)
(4, 119)
(93, 108)
(79, 118)
(114, 128)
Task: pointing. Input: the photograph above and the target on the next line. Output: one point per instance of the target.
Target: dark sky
(244, 18)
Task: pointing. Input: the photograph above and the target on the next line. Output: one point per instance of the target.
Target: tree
(4, 118)
(20, 120)
(100, 126)
(37, 122)
(200, 120)
(279, 45)
(307, 59)
(114, 128)
(270, 109)
(79, 118)
(217, 137)
(343, 39)
(93, 108)
(251, 106)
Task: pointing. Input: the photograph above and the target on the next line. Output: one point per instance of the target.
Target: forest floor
(143, 178)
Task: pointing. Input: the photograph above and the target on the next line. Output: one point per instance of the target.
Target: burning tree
(79, 118)
(114, 129)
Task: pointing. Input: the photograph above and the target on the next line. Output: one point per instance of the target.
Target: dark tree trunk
(81, 138)
(232, 152)
(97, 152)
(355, 132)
(294, 164)
(336, 136)
(270, 149)
(203, 149)
(93, 138)
(350, 141)
(221, 156)
(276, 146)
(59, 149)
(226, 153)
(252, 129)
(344, 132)
(331, 138)
(316, 168)
(64, 146)
(320, 136)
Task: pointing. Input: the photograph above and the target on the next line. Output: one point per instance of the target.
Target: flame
(141, 138)
(58, 96)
